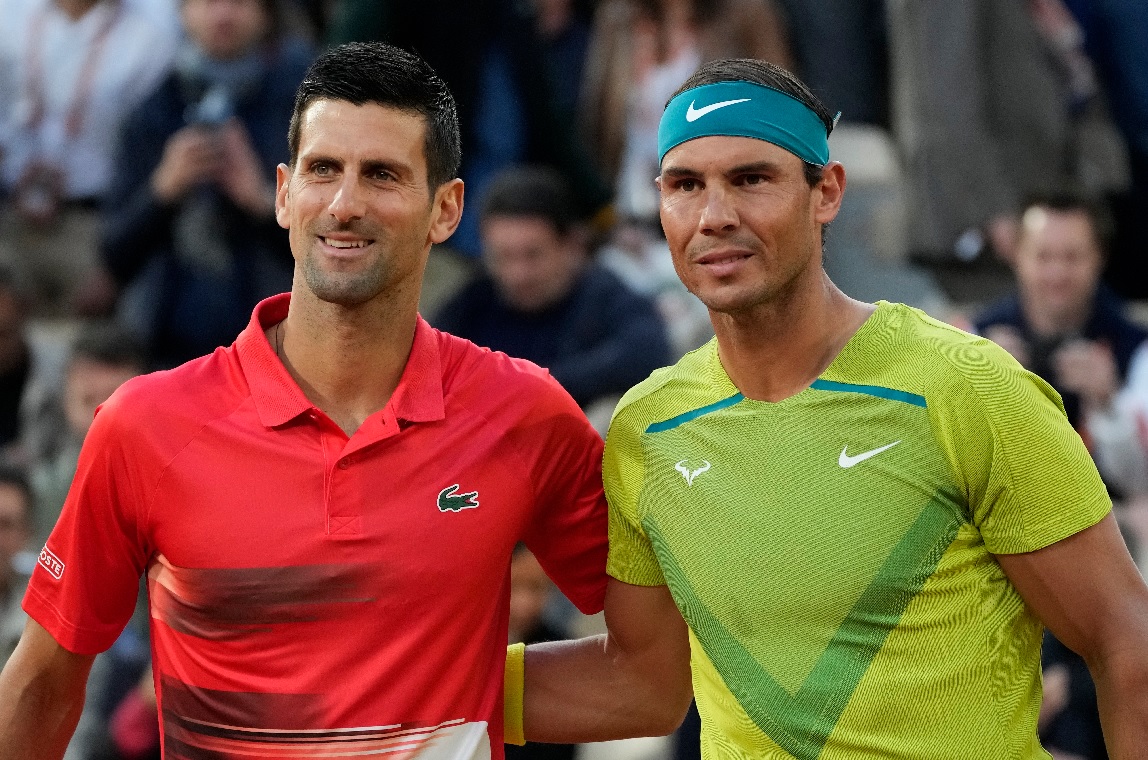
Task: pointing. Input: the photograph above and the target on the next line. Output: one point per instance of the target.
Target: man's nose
(348, 201)
(718, 212)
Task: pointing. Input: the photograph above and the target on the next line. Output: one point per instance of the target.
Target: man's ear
(447, 212)
(282, 182)
(827, 194)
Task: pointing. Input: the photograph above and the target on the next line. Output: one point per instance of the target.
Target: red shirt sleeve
(568, 533)
(84, 587)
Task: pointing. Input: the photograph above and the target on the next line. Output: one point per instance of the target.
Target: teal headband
(744, 109)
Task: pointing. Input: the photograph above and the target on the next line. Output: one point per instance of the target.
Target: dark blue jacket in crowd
(599, 340)
(184, 311)
(1107, 324)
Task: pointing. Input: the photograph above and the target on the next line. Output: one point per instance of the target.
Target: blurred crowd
(139, 141)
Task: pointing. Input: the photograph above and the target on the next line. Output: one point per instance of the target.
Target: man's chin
(344, 290)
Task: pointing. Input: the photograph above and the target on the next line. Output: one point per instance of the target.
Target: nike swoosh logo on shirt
(693, 114)
(847, 461)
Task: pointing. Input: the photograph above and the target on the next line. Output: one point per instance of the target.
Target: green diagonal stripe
(801, 724)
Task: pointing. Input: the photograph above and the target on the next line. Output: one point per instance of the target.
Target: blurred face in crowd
(89, 384)
(225, 29)
(358, 204)
(529, 591)
(1058, 262)
(532, 265)
(14, 510)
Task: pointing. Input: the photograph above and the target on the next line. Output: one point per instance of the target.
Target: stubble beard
(743, 300)
(343, 288)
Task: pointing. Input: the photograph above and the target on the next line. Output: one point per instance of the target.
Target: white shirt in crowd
(38, 36)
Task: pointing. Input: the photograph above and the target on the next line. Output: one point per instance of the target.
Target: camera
(213, 109)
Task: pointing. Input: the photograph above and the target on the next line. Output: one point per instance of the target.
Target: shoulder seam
(191, 438)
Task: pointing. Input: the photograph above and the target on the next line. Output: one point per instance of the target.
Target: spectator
(32, 359)
(640, 51)
(545, 300)
(489, 53)
(1068, 329)
(15, 358)
(1116, 38)
(1119, 441)
(1062, 324)
(1119, 435)
(191, 230)
(983, 116)
(70, 71)
(565, 37)
(15, 510)
(840, 51)
(103, 357)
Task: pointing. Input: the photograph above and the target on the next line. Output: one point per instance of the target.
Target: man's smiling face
(356, 201)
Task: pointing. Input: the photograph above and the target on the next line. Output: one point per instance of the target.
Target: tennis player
(326, 510)
(852, 521)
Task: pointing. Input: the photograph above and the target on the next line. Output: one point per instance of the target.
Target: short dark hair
(537, 191)
(765, 74)
(375, 72)
(108, 343)
(1070, 200)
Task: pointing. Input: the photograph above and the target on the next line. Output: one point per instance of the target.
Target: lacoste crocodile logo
(450, 501)
(689, 474)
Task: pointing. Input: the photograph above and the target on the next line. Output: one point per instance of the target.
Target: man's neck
(347, 361)
(75, 9)
(780, 348)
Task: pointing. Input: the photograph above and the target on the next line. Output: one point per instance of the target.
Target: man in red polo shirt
(325, 510)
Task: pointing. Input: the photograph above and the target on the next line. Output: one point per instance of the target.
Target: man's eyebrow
(309, 159)
(680, 171)
(755, 167)
(397, 168)
(369, 166)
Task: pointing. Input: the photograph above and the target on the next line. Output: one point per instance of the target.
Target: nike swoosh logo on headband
(693, 114)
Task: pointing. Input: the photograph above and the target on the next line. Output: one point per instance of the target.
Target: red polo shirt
(313, 594)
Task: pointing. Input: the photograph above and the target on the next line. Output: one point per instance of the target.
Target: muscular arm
(634, 681)
(1090, 595)
(41, 697)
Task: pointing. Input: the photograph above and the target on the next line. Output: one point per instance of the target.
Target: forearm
(590, 690)
(1122, 696)
(41, 697)
(36, 720)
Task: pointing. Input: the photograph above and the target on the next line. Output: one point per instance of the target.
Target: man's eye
(688, 185)
(753, 179)
(321, 170)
